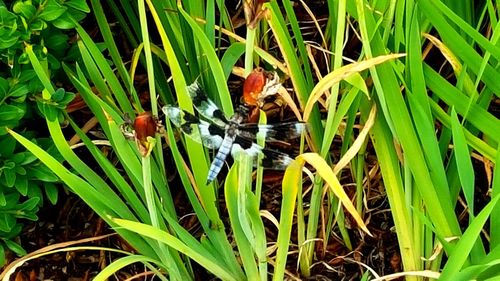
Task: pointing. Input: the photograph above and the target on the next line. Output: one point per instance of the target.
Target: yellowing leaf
(325, 171)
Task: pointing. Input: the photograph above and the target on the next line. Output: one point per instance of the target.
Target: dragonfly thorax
(232, 129)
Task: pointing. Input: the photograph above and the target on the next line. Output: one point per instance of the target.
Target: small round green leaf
(7, 19)
(9, 41)
(18, 157)
(7, 146)
(52, 11)
(56, 40)
(21, 184)
(68, 96)
(10, 177)
(51, 192)
(23, 59)
(29, 205)
(80, 5)
(8, 165)
(3, 201)
(10, 112)
(29, 158)
(3, 261)
(34, 191)
(18, 90)
(58, 95)
(7, 221)
(4, 88)
(14, 247)
(64, 22)
(20, 170)
(38, 25)
(27, 75)
(41, 172)
(25, 9)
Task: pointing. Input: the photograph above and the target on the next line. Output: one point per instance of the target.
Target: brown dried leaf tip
(253, 12)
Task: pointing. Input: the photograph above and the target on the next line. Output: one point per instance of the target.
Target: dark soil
(69, 221)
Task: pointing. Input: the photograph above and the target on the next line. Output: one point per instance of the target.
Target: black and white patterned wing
(214, 136)
(272, 159)
(205, 106)
(273, 132)
(209, 135)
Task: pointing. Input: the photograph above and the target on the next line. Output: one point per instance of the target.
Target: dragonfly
(231, 135)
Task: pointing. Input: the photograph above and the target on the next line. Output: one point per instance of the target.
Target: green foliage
(52, 106)
(24, 181)
(407, 101)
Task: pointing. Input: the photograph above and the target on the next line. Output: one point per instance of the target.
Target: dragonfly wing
(272, 159)
(273, 132)
(205, 106)
(200, 131)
